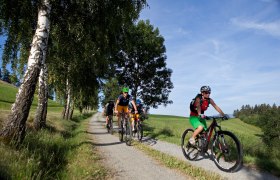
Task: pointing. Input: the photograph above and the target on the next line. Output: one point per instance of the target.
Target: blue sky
(233, 46)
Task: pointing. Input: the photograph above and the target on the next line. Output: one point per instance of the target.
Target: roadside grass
(60, 151)
(256, 154)
(173, 163)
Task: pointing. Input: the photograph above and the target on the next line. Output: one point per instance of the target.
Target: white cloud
(272, 28)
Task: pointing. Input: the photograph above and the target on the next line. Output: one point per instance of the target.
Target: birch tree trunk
(14, 129)
(68, 101)
(41, 113)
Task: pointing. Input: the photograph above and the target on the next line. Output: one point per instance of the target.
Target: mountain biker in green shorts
(197, 107)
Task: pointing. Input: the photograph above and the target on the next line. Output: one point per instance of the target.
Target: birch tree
(43, 93)
(14, 128)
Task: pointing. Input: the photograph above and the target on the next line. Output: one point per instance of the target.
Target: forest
(267, 117)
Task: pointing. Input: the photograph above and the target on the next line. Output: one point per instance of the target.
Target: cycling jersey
(124, 101)
(203, 107)
(139, 108)
(109, 108)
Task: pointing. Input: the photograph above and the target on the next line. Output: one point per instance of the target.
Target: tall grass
(60, 151)
(256, 154)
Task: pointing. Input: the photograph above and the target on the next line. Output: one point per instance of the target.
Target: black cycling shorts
(109, 112)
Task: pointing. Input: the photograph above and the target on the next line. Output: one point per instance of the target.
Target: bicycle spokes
(191, 152)
(226, 151)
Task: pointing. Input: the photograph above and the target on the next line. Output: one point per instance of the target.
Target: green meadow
(256, 154)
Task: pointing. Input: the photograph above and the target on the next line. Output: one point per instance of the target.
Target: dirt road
(127, 162)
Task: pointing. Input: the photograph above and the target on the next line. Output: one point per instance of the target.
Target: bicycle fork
(222, 144)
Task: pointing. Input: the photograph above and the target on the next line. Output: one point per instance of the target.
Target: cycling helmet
(125, 89)
(205, 89)
(138, 101)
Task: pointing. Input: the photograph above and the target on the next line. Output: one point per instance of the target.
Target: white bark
(68, 102)
(16, 124)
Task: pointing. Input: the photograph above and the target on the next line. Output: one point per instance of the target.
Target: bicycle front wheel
(128, 133)
(191, 152)
(227, 151)
(121, 131)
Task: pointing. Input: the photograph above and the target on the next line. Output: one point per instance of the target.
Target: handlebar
(217, 117)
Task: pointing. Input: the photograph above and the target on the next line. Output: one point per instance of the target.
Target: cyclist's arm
(216, 107)
(116, 105)
(134, 105)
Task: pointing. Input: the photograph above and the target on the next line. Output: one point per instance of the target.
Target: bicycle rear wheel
(111, 130)
(128, 132)
(227, 151)
(139, 131)
(191, 152)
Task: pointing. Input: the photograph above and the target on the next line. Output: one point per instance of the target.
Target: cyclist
(122, 104)
(134, 116)
(197, 117)
(109, 111)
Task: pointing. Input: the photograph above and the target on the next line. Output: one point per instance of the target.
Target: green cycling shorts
(196, 121)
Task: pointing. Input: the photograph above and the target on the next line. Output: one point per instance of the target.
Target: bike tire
(139, 131)
(111, 129)
(128, 133)
(227, 151)
(121, 131)
(190, 152)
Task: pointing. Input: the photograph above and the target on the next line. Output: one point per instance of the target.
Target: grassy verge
(256, 154)
(171, 162)
(61, 151)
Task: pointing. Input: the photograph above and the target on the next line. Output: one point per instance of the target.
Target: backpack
(192, 106)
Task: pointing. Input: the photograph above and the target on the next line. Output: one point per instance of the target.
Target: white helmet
(205, 89)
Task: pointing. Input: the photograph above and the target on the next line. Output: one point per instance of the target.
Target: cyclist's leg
(132, 121)
(197, 131)
(107, 118)
(119, 108)
(198, 124)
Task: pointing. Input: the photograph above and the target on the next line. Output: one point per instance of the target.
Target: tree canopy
(143, 59)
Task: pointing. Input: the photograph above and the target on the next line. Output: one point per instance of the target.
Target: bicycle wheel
(191, 152)
(121, 131)
(139, 131)
(227, 151)
(111, 129)
(128, 132)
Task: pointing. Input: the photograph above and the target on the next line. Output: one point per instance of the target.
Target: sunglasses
(207, 92)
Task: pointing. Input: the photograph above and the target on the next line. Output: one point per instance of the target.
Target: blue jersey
(124, 101)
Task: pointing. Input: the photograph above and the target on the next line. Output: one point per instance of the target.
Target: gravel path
(123, 162)
(126, 162)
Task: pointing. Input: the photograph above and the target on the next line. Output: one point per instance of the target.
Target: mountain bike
(138, 126)
(110, 125)
(225, 149)
(125, 132)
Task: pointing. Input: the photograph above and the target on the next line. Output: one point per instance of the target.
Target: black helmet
(205, 89)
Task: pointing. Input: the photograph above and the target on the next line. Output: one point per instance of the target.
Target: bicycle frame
(210, 130)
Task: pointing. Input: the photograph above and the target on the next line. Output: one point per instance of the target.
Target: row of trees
(266, 117)
(9, 78)
(76, 48)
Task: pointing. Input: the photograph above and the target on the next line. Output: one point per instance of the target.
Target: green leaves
(144, 61)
